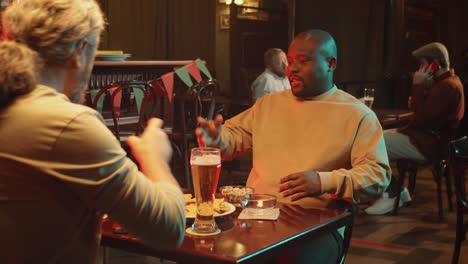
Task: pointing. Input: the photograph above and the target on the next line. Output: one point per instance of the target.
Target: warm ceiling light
(237, 2)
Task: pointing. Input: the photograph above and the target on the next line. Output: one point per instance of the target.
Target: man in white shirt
(273, 79)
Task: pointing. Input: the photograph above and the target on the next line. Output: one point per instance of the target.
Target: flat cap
(434, 50)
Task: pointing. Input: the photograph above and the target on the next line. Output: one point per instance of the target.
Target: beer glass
(206, 166)
(369, 97)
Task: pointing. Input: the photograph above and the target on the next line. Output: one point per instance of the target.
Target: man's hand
(209, 131)
(153, 151)
(153, 144)
(422, 75)
(301, 185)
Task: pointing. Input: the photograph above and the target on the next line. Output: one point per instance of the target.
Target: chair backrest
(206, 98)
(129, 103)
(459, 161)
(189, 103)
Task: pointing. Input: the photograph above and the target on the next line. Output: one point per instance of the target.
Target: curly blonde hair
(18, 74)
(52, 27)
(45, 29)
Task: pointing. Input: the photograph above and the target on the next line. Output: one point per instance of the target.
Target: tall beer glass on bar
(369, 97)
(206, 166)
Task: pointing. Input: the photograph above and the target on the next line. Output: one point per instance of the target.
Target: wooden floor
(414, 236)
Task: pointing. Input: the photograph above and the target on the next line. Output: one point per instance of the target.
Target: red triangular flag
(194, 71)
(168, 80)
(158, 88)
(117, 100)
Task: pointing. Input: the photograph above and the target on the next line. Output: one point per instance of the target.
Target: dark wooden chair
(181, 118)
(440, 171)
(459, 162)
(126, 118)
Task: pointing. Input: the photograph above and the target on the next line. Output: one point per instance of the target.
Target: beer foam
(206, 160)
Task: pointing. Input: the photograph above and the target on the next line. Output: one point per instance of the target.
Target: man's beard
(78, 95)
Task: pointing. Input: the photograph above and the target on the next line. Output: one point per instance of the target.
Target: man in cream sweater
(313, 144)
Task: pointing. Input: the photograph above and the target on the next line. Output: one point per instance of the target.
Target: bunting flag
(117, 100)
(194, 71)
(184, 76)
(158, 88)
(203, 68)
(168, 80)
(100, 101)
(139, 94)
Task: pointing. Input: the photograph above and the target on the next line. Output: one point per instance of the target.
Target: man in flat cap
(438, 104)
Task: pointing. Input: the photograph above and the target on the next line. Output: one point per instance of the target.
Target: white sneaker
(385, 204)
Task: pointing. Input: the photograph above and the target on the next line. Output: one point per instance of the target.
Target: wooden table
(393, 118)
(242, 241)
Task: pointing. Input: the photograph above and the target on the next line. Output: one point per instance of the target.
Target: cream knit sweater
(333, 134)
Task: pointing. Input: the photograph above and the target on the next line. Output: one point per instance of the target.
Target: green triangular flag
(138, 98)
(203, 68)
(100, 101)
(183, 74)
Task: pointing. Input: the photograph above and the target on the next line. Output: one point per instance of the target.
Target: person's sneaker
(385, 204)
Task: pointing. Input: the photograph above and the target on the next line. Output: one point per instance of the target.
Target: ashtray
(262, 201)
(237, 195)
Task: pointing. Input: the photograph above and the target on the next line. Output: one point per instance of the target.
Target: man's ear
(74, 59)
(331, 64)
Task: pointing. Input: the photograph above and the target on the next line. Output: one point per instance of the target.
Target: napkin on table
(259, 214)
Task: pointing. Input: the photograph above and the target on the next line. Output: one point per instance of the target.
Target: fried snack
(188, 198)
(190, 210)
(219, 206)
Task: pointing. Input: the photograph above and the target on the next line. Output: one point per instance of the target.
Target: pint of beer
(369, 97)
(206, 166)
(369, 101)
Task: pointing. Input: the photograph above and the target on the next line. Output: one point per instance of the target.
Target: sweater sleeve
(236, 135)
(370, 172)
(90, 161)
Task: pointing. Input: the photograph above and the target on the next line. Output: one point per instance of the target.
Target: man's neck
(320, 92)
(53, 77)
(441, 71)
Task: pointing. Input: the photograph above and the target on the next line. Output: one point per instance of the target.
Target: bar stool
(459, 163)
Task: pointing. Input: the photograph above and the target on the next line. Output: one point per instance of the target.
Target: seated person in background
(438, 104)
(273, 79)
(312, 144)
(61, 167)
